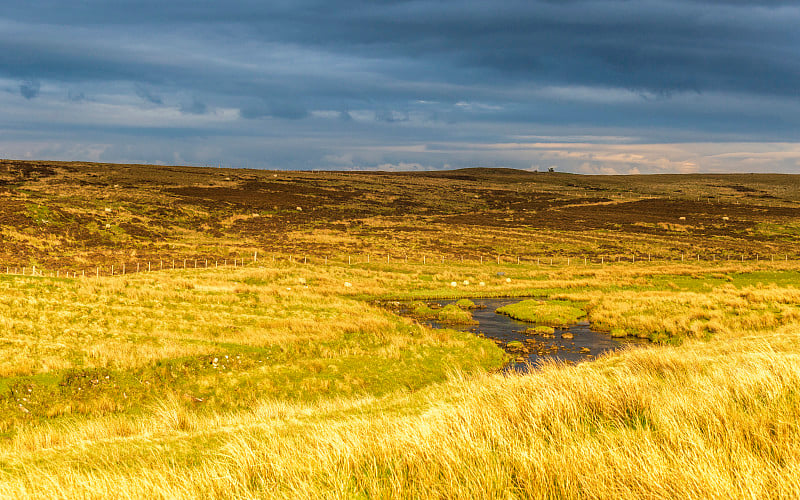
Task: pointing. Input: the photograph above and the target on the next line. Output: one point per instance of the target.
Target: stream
(585, 344)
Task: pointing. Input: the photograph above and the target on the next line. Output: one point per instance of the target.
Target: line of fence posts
(240, 262)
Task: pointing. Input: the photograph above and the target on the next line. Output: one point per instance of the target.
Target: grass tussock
(548, 313)
(454, 315)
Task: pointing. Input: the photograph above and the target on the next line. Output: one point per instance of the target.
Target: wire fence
(123, 267)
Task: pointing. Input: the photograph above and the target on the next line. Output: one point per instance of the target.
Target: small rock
(566, 335)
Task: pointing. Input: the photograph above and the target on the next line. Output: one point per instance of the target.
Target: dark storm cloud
(432, 69)
(657, 46)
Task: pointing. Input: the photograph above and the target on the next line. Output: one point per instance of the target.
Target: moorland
(220, 333)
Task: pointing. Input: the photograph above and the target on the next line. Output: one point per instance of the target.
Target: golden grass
(702, 420)
(714, 417)
(125, 322)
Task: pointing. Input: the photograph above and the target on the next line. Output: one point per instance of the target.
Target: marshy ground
(285, 377)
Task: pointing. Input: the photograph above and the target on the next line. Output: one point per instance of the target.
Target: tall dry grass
(704, 420)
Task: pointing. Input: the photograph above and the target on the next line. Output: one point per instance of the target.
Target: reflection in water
(584, 345)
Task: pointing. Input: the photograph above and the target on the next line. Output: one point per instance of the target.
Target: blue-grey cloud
(148, 95)
(195, 107)
(368, 74)
(29, 89)
(277, 109)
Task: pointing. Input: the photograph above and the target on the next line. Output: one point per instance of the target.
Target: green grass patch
(454, 315)
(466, 304)
(550, 313)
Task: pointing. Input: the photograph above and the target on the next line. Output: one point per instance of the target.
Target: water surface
(585, 344)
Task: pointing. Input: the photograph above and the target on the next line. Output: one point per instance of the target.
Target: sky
(585, 86)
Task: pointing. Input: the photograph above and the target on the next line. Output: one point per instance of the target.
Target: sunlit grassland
(706, 419)
(212, 339)
(280, 380)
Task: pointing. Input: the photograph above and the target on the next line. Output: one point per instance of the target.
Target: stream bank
(572, 344)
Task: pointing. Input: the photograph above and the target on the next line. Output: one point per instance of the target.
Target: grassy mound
(454, 315)
(550, 313)
(466, 304)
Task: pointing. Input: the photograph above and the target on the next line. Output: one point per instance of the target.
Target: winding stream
(584, 345)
